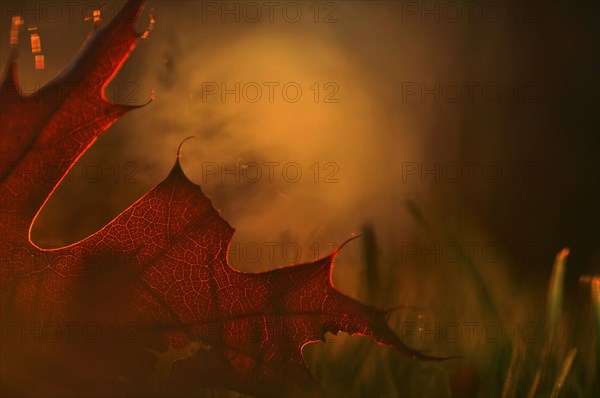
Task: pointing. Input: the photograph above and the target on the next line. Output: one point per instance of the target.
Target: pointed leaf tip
(181, 145)
(130, 13)
(340, 247)
(177, 170)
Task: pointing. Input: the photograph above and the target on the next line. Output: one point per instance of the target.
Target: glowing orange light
(96, 15)
(150, 25)
(14, 30)
(39, 62)
(36, 45)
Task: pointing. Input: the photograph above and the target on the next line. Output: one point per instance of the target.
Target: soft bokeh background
(541, 134)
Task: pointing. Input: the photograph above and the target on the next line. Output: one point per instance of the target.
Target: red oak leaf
(85, 319)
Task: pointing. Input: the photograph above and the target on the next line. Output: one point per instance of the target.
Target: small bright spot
(39, 62)
(36, 45)
(96, 16)
(14, 30)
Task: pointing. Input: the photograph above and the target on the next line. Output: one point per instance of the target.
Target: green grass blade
(513, 372)
(555, 291)
(595, 286)
(564, 371)
(535, 384)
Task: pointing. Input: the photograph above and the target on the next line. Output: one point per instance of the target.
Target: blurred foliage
(562, 360)
(559, 358)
